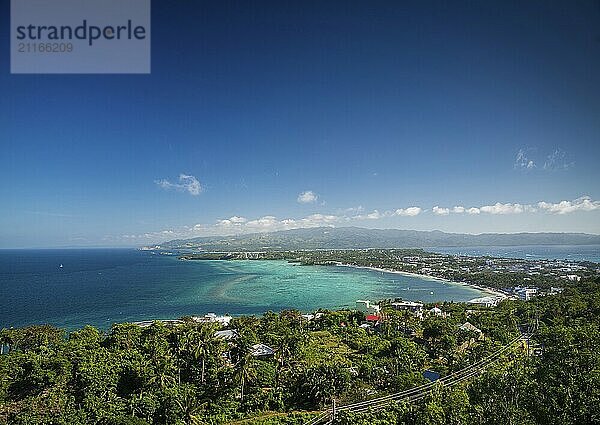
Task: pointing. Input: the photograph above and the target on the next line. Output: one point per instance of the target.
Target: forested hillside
(358, 238)
(188, 375)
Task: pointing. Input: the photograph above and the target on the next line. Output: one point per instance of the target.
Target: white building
(213, 318)
(412, 306)
(490, 301)
(469, 327)
(407, 305)
(227, 334)
(525, 293)
(436, 312)
(262, 350)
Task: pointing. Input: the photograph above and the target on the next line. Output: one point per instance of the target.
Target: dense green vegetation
(185, 375)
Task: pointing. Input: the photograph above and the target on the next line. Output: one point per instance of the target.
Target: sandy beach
(426, 276)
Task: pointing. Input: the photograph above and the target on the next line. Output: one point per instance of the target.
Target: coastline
(490, 291)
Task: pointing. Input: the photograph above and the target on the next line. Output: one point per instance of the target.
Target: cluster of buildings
(373, 311)
(526, 293)
(447, 266)
(207, 318)
(229, 335)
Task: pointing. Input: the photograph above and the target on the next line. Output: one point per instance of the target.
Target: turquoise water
(102, 286)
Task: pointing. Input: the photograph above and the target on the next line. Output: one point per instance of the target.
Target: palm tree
(201, 344)
(188, 403)
(203, 347)
(245, 369)
(163, 372)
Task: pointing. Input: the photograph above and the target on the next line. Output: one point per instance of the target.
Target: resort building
(408, 305)
(262, 350)
(491, 301)
(414, 307)
(147, 323)
(227, 334)
(213, 318)
(435, 311)
(525, 293)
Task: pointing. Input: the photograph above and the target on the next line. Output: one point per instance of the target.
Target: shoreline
(490, 291)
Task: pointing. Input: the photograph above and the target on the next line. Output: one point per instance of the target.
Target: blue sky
(370, 107)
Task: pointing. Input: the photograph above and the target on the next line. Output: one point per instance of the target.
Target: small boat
(431, 293)
(60, 267)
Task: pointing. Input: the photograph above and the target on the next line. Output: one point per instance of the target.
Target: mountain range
(358, 238)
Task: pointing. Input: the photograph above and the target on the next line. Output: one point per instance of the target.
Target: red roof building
(373, 318)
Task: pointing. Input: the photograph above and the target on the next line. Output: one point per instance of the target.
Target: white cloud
(375, 215)
(263, 223)
(307, 197)
(440, 211)
(408, 212)
(584, 203)
(161, 235)
(353, 210)
(462, 210)
(315, 220)
(268, 223)
(499, 208)
(231, 222)
(187, 183)
(237, 220)
(558, 160)
(522, 161)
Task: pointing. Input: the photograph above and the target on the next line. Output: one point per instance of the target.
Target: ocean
(105, 286)
(529, 252)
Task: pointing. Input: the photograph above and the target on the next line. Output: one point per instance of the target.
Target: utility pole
(333, 411)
